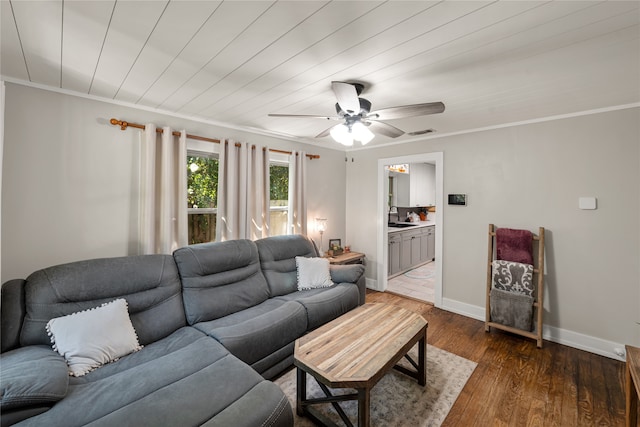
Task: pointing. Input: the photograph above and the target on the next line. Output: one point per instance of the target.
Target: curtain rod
(123, 125)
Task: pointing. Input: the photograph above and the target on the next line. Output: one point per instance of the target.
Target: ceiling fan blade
(406, 111)
(304, 116)
(326, 132)
(347, 97)
(385, 129)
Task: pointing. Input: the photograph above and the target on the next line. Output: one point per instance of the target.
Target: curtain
(163, 209)
(298, 193)
(258, 185)
(232, 191)
(243, 192)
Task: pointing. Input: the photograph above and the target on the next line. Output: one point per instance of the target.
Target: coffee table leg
(363, 407)
(422, 360)
(301, 390)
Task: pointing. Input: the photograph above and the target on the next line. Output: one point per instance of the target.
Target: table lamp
(321, 227)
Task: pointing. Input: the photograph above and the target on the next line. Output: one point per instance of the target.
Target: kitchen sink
(400, 224)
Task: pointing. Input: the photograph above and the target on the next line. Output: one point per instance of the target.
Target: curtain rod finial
(116, 122)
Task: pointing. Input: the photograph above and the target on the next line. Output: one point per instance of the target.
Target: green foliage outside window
(202, 193)
(202, 182)
(279, 183)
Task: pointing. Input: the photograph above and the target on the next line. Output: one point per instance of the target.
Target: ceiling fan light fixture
(342, 134)
(361, 133)
(361, 124)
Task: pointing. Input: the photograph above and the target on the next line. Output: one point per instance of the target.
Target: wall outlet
(619, 351)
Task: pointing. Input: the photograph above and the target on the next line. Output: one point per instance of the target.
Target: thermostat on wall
(458, 199)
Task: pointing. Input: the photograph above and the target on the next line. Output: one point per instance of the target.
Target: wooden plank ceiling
(234, 62)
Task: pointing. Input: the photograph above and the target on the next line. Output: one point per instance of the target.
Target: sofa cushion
(149, 283)
(91, 338)
(325, 304)
(31, 377)
(258, 331)
(185, 381)
(182, 338)
(276, 362)
(220, 278)
(278, 261)
(265, 398)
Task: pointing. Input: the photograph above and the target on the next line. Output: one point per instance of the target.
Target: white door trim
(382, 229)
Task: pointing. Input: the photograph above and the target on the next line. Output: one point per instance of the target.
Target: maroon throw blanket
(514, 245)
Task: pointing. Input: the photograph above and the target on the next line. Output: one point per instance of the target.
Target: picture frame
(334, 242)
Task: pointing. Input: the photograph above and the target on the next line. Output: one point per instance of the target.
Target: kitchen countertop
(420, 224)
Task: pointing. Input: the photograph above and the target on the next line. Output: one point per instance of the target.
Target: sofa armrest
(350, 273)
(32, 377)
(12, 314)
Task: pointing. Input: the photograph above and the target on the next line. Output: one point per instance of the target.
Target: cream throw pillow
(313, 273)
(89, 339)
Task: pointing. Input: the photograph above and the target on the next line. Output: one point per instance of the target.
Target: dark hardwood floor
(517, 384)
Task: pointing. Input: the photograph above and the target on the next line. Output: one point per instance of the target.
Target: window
(202, 196)
(279, 198)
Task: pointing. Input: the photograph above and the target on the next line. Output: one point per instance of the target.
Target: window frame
(277, 159)
(211, 155)
(206, 149)
(202, 149)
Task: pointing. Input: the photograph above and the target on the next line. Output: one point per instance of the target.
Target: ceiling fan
(359, 122)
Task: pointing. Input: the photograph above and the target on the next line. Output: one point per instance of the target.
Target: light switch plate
(587, 203)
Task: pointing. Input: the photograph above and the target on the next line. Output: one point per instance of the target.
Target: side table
(347, 258)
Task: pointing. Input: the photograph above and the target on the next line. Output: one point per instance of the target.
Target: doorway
(383, 230)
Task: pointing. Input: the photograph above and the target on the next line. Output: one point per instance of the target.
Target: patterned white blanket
(513, 277)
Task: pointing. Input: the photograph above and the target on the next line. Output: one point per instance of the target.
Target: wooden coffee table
(355, 351)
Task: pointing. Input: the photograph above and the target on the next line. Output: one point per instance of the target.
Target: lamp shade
(321, 224)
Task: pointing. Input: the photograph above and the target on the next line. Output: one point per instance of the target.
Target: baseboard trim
(550, 333)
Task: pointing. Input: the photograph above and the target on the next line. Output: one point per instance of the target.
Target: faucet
(390, 209)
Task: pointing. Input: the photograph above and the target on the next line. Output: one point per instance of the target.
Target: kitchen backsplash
(402, 212)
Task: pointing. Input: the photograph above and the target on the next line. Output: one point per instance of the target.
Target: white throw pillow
(89, 339)
(313, 273)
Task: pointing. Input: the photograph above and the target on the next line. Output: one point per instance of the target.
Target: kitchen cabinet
(427, 244)
(405, 250)
(409, 248)
(415, 248)
(431, 242)
(394, 253)
(417, 188)
(424, 246)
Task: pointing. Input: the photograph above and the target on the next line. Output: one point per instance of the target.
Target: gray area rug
(412, 274)
(424, 272)
(398, 400)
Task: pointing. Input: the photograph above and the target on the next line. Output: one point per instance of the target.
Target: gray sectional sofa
(216, 322)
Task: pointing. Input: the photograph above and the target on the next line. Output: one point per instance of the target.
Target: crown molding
(225, 125)
(505, 125)
(307, 141)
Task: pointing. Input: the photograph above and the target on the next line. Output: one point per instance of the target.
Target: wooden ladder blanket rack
(538, 272)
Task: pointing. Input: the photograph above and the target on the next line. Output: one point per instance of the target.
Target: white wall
(525, 177)
(69, 179)
(2, 88)
(430, 183)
